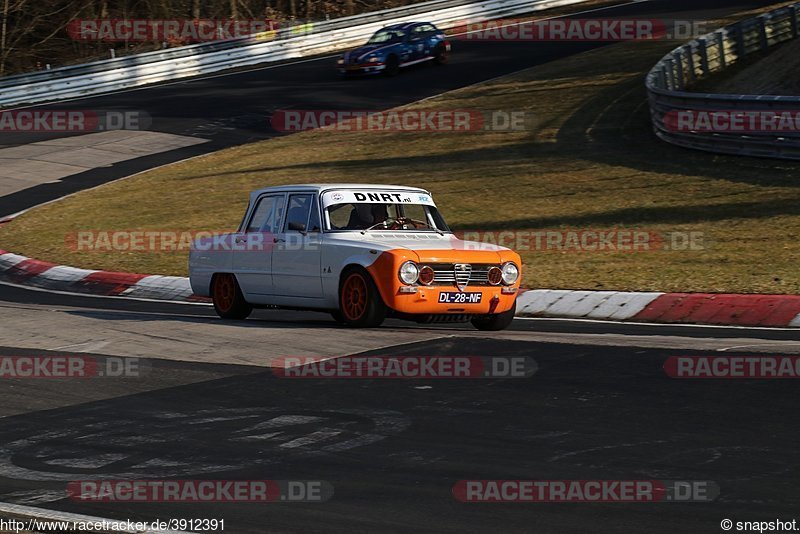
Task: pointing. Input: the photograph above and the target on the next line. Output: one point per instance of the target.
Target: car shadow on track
(264, 319)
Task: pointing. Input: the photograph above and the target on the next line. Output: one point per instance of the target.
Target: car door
(296, 257)
(252, 249)
(416, 45)
(431, 37)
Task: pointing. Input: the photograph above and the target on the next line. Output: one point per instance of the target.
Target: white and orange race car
(360, 252)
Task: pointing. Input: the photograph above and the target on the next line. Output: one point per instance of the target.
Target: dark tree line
(33, 33)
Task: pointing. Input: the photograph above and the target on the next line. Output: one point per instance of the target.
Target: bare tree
(3, 31)
(33, 31)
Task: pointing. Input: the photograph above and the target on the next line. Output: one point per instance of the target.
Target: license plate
(460, 298)
(352, 69)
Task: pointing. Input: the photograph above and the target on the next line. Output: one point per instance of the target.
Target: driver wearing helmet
(363, 216)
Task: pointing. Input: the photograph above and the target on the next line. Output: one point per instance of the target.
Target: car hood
(362, 51)
(431, 247)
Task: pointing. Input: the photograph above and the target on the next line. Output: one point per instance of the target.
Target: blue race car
(394, 47)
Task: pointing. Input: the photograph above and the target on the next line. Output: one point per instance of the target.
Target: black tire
(360, 302)
(495, 322)
(338, 316)
(440, 54)
(229, 302)
(392, 66)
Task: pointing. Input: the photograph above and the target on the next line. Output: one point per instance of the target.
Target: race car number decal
(460, 298)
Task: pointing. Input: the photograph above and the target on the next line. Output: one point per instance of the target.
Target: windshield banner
(330, 198)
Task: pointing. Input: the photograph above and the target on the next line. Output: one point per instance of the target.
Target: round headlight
(426, 275)
(409, 272)
(495, 275)
(510, 273)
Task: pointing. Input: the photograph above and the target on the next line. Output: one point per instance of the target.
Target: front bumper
(494, 299)
(350, 70)
(425, 300)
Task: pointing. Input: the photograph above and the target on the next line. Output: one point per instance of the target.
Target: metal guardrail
(189, 50)
(668, 80)
(325, 37)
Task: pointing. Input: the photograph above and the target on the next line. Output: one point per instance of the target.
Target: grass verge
(588, 161)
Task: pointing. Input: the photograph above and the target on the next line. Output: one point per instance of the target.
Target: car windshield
(396, 217)
(386, 36)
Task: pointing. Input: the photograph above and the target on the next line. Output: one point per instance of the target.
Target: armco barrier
(668, 80)
(323, 37)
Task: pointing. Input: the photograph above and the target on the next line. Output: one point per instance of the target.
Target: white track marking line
(663, 325)
(755, 345)
(89, 295)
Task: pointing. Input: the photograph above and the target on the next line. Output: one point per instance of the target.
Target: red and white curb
(690, 308)
(19, 270)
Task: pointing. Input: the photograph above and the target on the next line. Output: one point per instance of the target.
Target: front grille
(445, 274)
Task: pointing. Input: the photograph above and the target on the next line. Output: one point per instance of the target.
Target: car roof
(403, 25)
(317, 188)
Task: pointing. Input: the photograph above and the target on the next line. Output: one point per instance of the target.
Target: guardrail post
(681, 81)
(690, 71)
(741, 51)
(762, 32)
(723, 61)
(704, 56)
(662, 77)
(671, 71)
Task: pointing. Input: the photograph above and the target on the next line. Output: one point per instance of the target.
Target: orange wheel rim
(223, 292)
(354, 297)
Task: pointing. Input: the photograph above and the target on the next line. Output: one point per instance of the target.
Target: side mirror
(297, 227)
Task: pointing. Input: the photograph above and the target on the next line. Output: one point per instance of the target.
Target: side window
(267, 214)
(297, 213)
(262, 211)
(273, 222)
